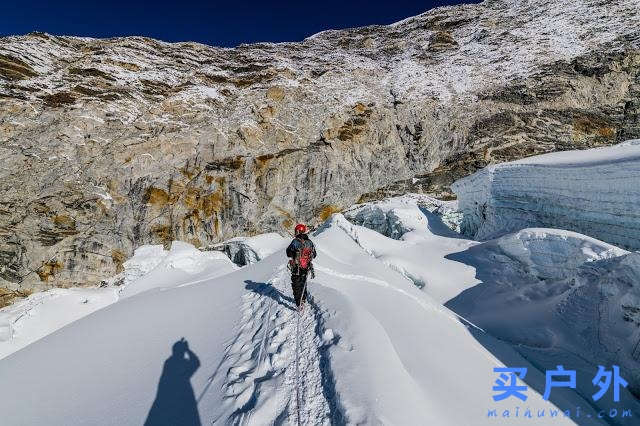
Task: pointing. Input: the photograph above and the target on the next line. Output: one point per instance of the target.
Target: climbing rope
(298, 401)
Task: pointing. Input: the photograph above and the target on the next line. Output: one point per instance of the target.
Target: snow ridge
(277, 348)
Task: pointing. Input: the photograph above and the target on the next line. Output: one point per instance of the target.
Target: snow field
(373, 349)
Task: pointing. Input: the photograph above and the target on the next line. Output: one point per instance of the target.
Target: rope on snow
(298, 401)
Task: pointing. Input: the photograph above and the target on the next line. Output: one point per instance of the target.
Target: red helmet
(300, 229)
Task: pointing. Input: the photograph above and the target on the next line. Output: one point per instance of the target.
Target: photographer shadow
(175, 402)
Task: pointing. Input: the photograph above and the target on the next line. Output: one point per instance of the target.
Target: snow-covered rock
(247, 250)
(595, 192)
(111, 144)
(180, 265)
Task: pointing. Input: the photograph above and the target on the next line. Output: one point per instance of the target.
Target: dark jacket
(296, 244)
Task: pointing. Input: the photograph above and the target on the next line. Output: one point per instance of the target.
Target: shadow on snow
(265, 289)
(496, 279)
(175, 402)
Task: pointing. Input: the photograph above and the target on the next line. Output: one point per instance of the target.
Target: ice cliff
(595, 192)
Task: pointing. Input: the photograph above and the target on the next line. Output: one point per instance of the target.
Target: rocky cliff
(110, 144)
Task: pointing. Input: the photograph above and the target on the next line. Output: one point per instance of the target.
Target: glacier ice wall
(595, 192)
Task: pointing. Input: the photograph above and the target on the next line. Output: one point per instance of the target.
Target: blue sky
(211, 22)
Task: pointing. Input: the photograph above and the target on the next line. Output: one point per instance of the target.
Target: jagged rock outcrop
(110, 144)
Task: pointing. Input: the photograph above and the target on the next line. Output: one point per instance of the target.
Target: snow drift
(183, 263)
(594, 192)
(411, 237)
(558, 295)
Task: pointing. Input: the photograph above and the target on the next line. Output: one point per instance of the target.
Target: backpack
(304, 255)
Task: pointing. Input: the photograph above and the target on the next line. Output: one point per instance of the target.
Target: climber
(301, 252)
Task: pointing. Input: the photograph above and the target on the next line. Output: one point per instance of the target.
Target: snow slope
(373, 349)
(42, 313)
(151, 267)
(595, 192)
(418, 243)
(402, 330)
(559, 298)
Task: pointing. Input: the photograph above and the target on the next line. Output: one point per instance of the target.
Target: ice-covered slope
(373, 349)
(558, 297)
(375, 345)
(595, 192)
(151, 267)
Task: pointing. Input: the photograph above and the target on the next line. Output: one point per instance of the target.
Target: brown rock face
(110, 144)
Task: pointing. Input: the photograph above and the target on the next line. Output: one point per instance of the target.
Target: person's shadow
(175, 402)
(268, 290)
